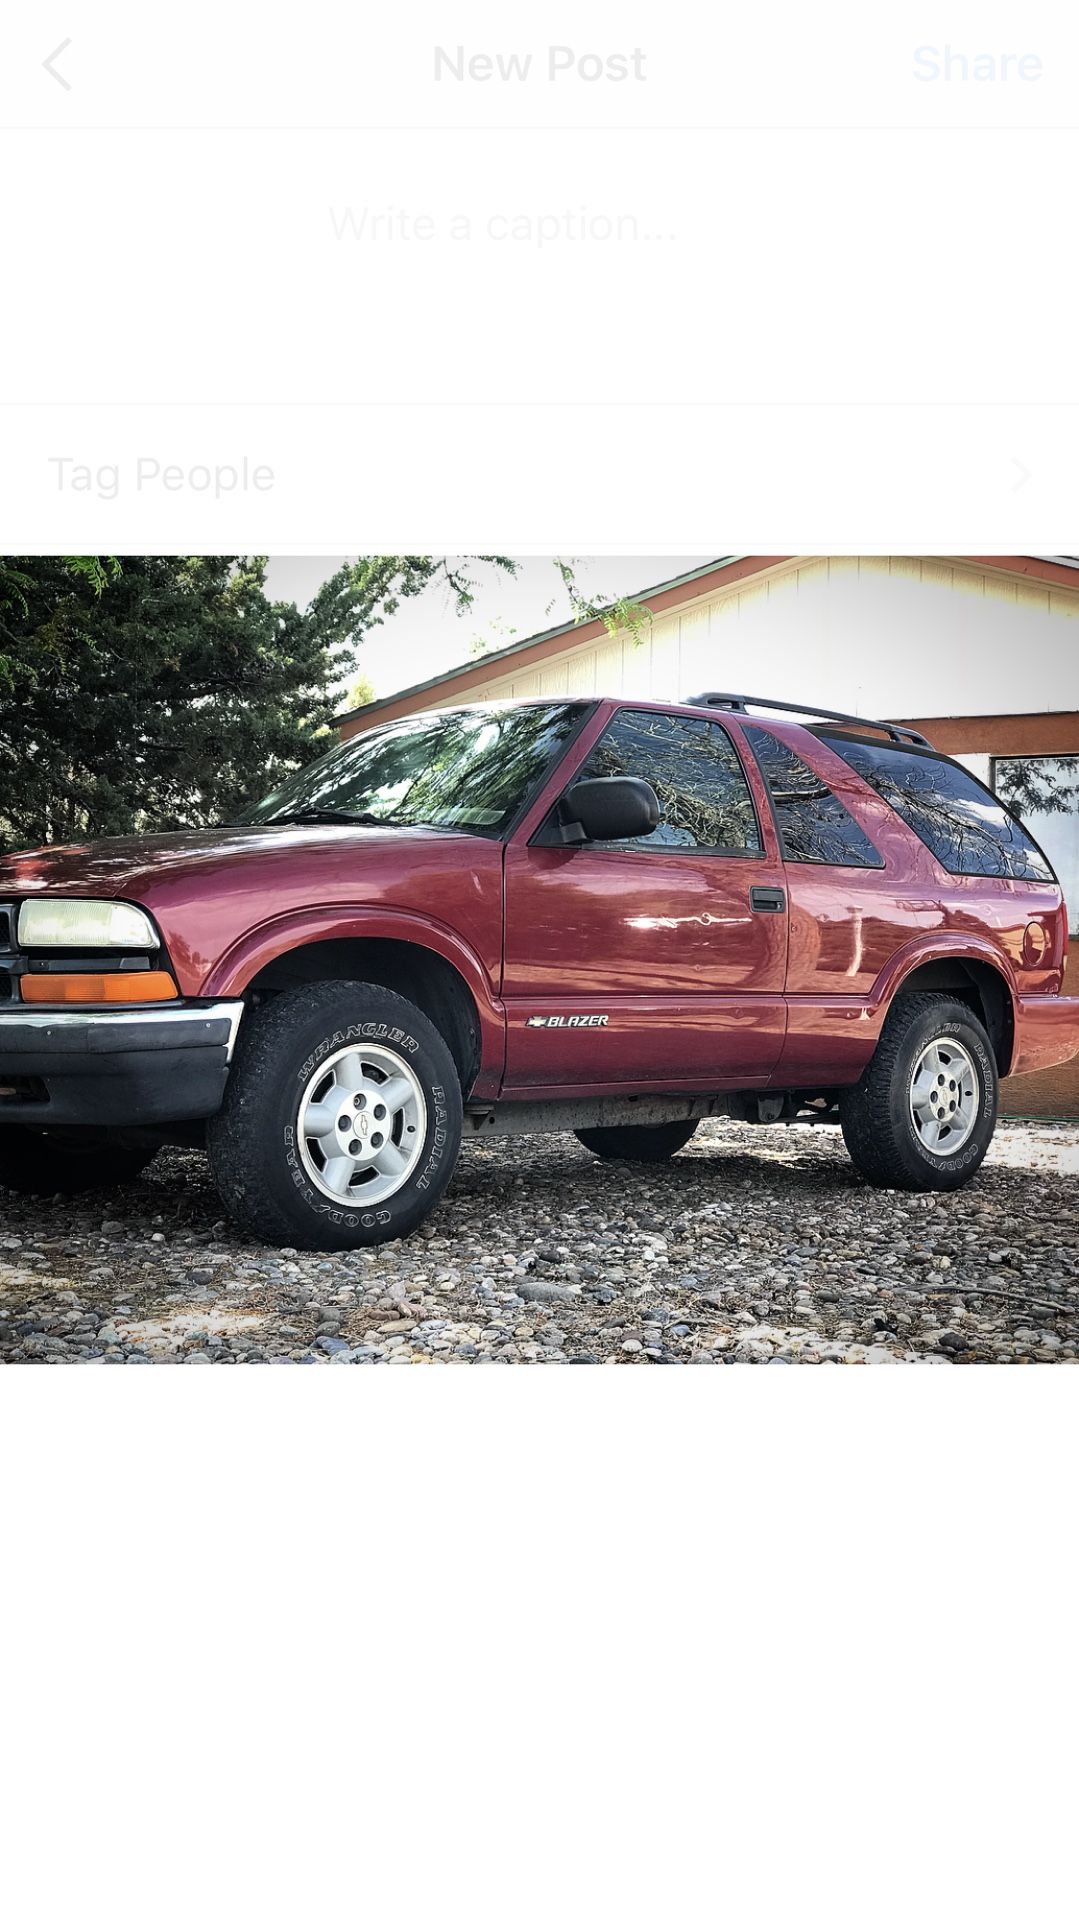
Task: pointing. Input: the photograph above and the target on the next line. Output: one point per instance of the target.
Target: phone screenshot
(539, 831)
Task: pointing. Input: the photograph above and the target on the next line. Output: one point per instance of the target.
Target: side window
(694, 767)
(813, 825)
(961, 822)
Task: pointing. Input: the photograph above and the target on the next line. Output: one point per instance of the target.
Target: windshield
(468, 768)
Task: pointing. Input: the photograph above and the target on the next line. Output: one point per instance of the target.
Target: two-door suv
(609, 916)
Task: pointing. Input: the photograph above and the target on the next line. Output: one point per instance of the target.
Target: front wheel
(924, 1111)
(342, 1119)
(638, 1143)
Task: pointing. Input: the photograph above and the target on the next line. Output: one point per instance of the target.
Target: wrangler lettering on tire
(922, 1114)
(342, 1120)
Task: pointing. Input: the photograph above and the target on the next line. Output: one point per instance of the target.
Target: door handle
(767, 899)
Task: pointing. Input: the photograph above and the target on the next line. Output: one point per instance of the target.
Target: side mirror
(611, 808)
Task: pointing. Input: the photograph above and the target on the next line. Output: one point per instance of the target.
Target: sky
(427, 636)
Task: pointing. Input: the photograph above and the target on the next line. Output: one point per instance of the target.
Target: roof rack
(738, 702)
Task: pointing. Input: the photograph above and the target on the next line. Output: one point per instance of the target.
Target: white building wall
(874, 636)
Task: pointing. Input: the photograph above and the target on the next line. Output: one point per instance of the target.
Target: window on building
(961, 822)
(1043, 789)
(696, 772)
(814, 826)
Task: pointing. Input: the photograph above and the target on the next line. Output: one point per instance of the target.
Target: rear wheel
(342, 1118)
(638, 1143)
(49, 1160)
(924, 1111)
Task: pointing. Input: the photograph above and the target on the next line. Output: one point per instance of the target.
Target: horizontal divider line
(468, 400)
(517, 126)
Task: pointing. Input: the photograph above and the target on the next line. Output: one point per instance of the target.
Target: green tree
(1041, 785)
(158, 692)
(360, 693)
(369, 590)
(161, 697)
(17, 668)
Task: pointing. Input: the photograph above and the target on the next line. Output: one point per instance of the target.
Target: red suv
(609, 916)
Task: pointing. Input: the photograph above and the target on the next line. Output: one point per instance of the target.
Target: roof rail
(738, 702)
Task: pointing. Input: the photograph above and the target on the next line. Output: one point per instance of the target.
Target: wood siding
(898, 636)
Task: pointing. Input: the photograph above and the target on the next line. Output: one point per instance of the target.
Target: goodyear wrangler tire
(924, 1111)
(638, 1143)
(342, 1118)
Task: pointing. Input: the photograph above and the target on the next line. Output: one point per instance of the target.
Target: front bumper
(126, 1067)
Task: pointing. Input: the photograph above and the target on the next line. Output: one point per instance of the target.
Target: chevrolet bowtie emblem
(567, 1020)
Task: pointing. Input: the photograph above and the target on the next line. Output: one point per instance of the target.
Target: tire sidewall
(954, 1169)
(300, 1200)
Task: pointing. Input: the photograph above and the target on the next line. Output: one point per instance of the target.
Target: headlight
(85, 923)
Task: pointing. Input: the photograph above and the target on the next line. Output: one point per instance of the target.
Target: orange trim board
(1002, 733)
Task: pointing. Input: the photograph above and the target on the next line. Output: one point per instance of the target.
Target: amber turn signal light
(96, 989)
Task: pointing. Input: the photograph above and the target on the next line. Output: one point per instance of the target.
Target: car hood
(234, 896)
(136, 866)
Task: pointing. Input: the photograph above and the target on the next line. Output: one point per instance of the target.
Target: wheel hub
(361, 1125)
(945, 1097)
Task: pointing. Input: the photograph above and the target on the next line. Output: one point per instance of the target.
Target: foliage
(371, 589)
(618, 616)
(16, 583)
(161, 694)
(360, 693)
(1042, 785)
(365, 592)
(94, 568)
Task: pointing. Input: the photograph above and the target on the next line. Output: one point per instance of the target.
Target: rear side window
(813, 825)
(961, 822)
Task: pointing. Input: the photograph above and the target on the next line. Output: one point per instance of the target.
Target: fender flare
(234, 970)
(943, 946)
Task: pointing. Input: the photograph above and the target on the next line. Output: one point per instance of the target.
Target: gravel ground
(755, 1244)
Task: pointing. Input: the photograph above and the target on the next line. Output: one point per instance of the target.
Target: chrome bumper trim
(129, 1020)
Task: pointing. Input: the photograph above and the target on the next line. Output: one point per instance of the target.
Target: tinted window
(813, 824)
(961, 822)
(468, 767)
(695, 770)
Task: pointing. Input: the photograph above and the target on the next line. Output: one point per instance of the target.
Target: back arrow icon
(50, 69)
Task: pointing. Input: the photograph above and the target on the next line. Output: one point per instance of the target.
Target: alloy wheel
(362, 1125)
(944, 1097)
